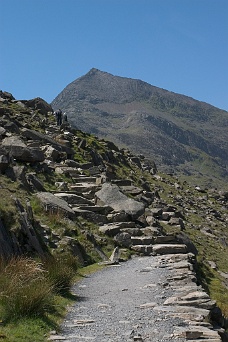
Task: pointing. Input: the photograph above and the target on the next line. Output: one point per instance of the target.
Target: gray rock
(114, 228)
(143, 249)
(18, 173)
(34, 182)
(123, 239)
(73, 199)
(184, 239)
(112, 196)
(90, 215)
(38, 104)
(169, 248)
(51, 153)
(164, 239)
(54, 204)
(142, 240)
(19, 151)
(119, 217)
(2, 131)
(115, 255)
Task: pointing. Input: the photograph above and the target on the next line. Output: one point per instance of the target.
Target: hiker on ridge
(58, 116)
(65, 117)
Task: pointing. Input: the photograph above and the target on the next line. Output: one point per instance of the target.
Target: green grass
(61, 270)
(24, 288)
(37, 328)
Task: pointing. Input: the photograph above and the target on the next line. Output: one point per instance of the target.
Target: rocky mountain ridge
(182, 135)
(65, 189)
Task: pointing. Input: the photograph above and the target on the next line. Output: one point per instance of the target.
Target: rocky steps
(131, 215)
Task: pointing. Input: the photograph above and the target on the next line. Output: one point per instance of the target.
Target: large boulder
(111, 195)
(19, 151)
(55, 205)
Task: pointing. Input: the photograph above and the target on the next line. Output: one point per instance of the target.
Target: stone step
(94, 208)
(197, 333)
(88, 195)
(141, 240)
(67, 170)
(144, 249)
(170, 249)
(84, 179)
(114, 228)
(73, 199)
(152, 231)
(95, 217)
(185, 312)
(85, 187)
(148, 240)
(164, 239)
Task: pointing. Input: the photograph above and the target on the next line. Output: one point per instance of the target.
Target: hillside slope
(182, 135)
(65, 190)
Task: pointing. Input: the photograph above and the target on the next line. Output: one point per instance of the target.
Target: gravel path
(119, 304)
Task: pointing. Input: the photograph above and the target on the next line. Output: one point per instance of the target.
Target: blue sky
(178, 45)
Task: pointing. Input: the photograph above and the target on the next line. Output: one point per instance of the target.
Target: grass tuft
(24, 289)
(61, 271)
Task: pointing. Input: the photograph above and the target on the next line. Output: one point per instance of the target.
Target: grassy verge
(28, 312)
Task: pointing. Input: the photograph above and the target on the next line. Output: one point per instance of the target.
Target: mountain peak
(175, 130)
(93, 71)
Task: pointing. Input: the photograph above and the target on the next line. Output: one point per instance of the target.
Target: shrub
(24, 288)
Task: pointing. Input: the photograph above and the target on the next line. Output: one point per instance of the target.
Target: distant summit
(181, 134)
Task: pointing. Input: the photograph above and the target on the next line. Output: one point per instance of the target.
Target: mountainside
(64, 191)
(180, 134)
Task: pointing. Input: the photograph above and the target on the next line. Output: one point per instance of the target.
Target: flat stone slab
(84, 179)
(164, 239)
(112, 229)
(196, 332)
(80, 188)
(196, 314)
(89, 215)
(144, 249)
(72, 198)
(141, 240)
(197, 302)
(169, 248)
(95, 208)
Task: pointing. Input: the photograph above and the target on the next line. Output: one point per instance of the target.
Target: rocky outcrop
(23, 240)
(38, 104)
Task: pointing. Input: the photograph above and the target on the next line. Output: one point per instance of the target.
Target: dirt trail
(121, 303)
